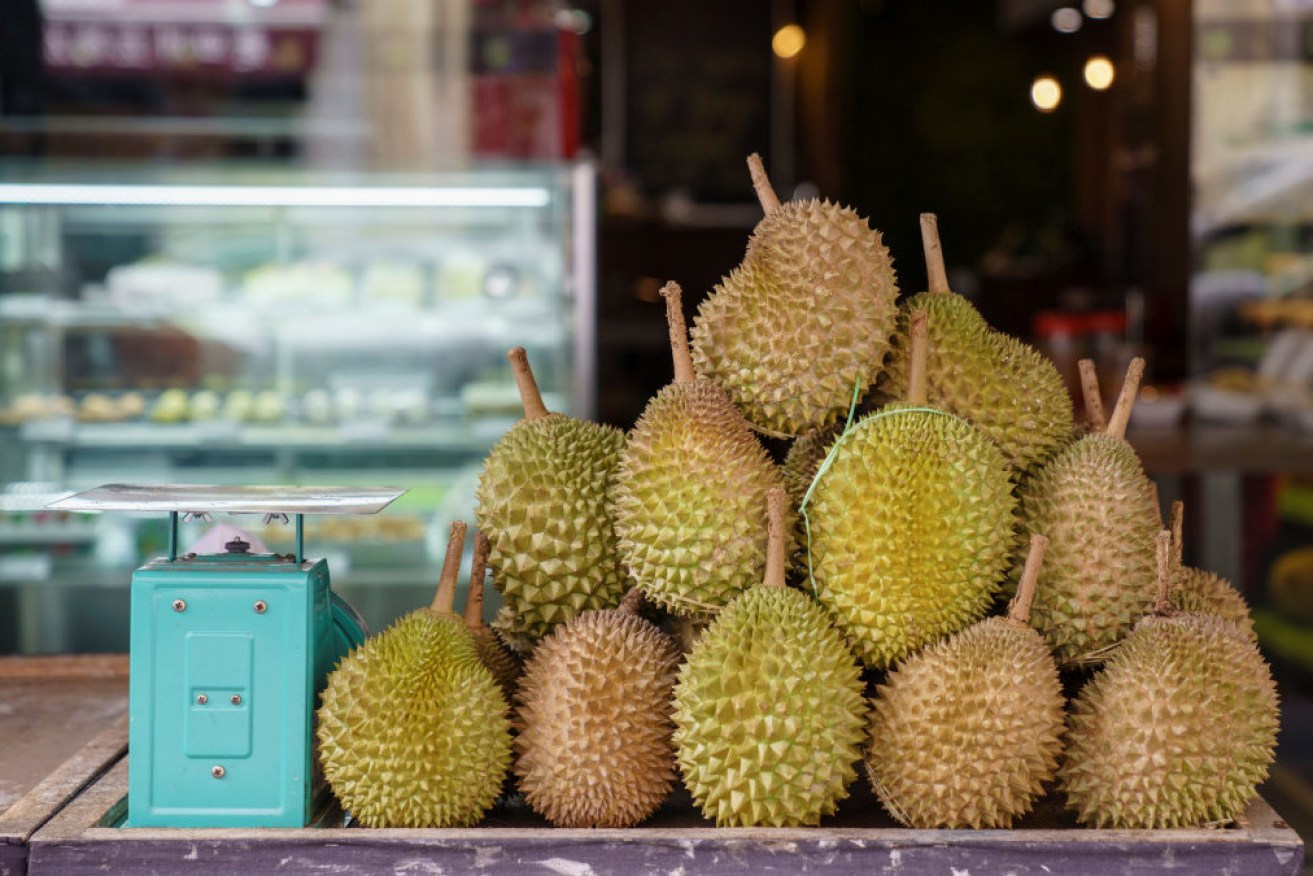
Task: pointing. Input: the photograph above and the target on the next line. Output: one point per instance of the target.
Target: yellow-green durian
(1096, 506)
(690, 491)
(1004, 387)
(1202, 592)
(412, 729)
(494, 654)
(544, 503)
(1177, 729)
(594, 748)
(803, 319)
(769, 706)
(912, 527)
(967, 731)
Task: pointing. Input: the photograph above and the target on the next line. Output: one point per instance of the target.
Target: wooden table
(63, 721)
(1221, 458)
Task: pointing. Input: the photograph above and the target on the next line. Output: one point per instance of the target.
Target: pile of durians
(678, 605)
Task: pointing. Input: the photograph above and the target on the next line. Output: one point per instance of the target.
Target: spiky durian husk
(507, 625)
(595, 747)
(689, 497)
(1194, 590)
(966, 732)
(1177, 730)
(911, 531)
(804, 457)
(412, 729)
(770, 713)
(807, 315)
(543, 503)
(498, 659)
(1006, 388)
(1094, 504)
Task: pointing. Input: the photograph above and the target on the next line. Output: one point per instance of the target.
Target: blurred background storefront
(289, 241)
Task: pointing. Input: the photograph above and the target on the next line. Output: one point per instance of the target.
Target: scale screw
(217, 771)
(179, 605)
(261, 606)
(237, 699)
(202, 699)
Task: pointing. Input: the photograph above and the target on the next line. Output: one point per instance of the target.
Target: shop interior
(290, 241)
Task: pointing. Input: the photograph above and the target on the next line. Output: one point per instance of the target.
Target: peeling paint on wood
(78, 842)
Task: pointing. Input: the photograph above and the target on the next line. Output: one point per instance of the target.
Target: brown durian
(803, 319)
(1177, 729)
(594, 748)
(1095, 505)
(967, 732)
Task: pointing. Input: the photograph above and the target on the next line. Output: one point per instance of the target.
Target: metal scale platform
(228, 653)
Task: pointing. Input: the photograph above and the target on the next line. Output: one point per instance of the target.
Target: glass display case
(238, 326)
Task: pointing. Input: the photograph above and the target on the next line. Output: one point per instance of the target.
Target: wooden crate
(82, 839)
(63, 721)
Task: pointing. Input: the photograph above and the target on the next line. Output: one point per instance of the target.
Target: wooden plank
(78, 840)
(53, 713)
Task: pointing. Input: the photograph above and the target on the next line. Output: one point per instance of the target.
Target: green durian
(494, 654)
(1177, 729)
(805, 317)
(594, 748)
(692, 483)
(769, 706)
(412, 730)
(911, 526)
(1200, 592)
(967, 731)
(1004, 387)
(1096, 506)
(544, 503)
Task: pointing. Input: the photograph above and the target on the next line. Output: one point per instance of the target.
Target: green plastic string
(849, 429)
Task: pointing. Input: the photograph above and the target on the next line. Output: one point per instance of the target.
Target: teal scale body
(228, 656)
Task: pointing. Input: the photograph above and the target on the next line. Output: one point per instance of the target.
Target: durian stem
(770, 202)
(1019, 610)
(917, 391)
(478, 570)
(1121, 414)
(936, 273)
(1178, 532)
(775, 506)
(1163, 603)
(446, 595)
(530, 397)
(632, 602)
(1157, 503)
(678, 332)
(1089, 384)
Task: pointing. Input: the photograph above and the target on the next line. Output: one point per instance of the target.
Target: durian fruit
(1177, 729)
(412, 729)
(1202, 592)
(966, 732)
(691, 489)
(911, 526)
(594, 748)
(803, 458)
(1005, 388)
(543, 501)
(500, 660)
(769, 705)
(803, 319)
(1096, 506)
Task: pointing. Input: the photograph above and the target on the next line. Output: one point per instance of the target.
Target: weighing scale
(228, 654)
